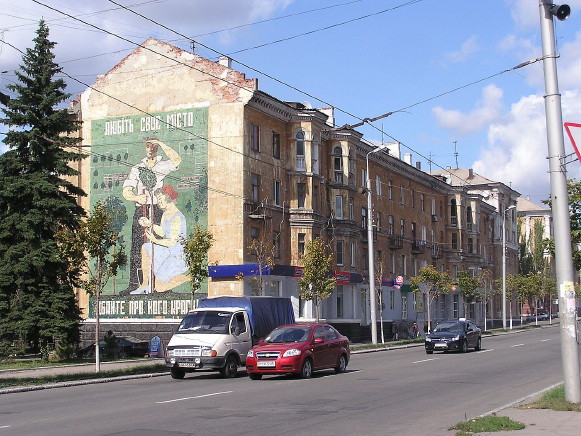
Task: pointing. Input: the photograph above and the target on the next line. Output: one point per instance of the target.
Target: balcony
(437, 251)
(395, 242)
(418, 246)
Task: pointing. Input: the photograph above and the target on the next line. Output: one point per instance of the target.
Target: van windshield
(205, 321)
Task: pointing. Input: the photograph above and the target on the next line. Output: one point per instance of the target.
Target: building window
(392, 263)
(390, 227)
(404, 265)
(413, 198)
(454, 241)
(378, 221)
(378, 185)
(274, 290)
(339, 252)
(301, 194)
(470, 245)
(315, 155)
(300, 140)
(364, 177)
(255, 187)
(469, 218)
(391, 300)
(401, 195)
(456, 309)
(301, 243)
(351, 208)
(389, 190)
(276, 192)
(276, 244)
(404, 306)
(352, 253)
(254, 137)
(433, 206)
(254, 233)
(315, 199)
(453, 212)
(363, 218)
(338, 164)
(423, 202)
(276, 145)
(402, 227)
(339, 207)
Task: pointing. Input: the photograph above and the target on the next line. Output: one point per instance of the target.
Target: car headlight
(428, 339)
(250, 353)
(292, 352)
(170, 353)
(206, 351)
(456, 338)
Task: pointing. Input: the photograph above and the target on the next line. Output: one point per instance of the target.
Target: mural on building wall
(152, 169)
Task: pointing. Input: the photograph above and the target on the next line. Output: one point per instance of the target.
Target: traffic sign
(399, 280)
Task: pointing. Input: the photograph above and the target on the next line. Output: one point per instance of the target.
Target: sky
(444, 68)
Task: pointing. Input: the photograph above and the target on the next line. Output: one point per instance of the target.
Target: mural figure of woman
(164, 245)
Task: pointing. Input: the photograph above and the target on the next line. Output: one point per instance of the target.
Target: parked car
(299, 349)
(127, 346)
(455, 335)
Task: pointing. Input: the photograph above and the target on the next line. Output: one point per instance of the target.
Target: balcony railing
(395, 242)
(301, 164)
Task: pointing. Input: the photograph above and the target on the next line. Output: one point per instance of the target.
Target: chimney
(419, 165)
(407, 158)
(225, 61)
(470, 173)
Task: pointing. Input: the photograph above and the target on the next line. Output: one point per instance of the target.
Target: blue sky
(440, 66)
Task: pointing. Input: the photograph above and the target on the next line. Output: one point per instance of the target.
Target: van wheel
(230, 368)
(177, 373)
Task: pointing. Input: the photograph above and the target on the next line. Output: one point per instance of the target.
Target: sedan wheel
(478, 346)
(307, 369)
(254, 376)
(464, 346)
(429, 352)
(342, 365)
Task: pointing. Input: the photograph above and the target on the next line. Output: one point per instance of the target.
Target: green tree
(317, 283)
(487, 291)
(433, 283)
(196, 247)
(99, 238)
(37, 200)
(468, 285)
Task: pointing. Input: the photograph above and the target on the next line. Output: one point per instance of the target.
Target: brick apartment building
(250, 167)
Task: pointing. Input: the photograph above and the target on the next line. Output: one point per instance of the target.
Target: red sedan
(299, 349)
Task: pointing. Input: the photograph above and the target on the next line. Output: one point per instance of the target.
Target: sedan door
(320, 350)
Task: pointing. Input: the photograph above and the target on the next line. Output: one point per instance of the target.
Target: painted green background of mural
(118, 144)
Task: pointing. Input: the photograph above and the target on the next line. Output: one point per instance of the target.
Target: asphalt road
(403, 392)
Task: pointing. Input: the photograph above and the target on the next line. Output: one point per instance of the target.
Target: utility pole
(560, 203)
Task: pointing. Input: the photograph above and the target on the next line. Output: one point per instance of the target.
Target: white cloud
(468, 47)
(486, 111)
(517, 146)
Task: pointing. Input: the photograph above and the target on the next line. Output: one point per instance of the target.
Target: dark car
(299, 349)
(455, 335)
(127, 346)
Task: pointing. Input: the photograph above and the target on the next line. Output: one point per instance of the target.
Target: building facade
(175, 140)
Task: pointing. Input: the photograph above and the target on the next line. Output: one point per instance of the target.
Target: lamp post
(559, 202)
(504, 267)
(372, 299)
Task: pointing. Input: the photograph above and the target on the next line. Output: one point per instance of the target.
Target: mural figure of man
(143, 180)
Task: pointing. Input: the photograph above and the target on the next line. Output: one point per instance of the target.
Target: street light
(370, 249)
(504, 267)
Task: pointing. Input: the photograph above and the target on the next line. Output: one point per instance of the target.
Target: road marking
(426, 360)
(193, 398)
(486, 351)
(4, 426)
(517, 345)
(545, 340)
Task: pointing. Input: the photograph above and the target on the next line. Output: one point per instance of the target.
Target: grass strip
(555, 400)
(490, 423)
(37, 381)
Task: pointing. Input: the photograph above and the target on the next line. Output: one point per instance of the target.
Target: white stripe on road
(545, 340)
(4, 426)
(426, 360)
(486, 351)
(192, 398)
(517, 345)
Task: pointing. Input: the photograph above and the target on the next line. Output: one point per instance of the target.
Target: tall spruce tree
(37, 200)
